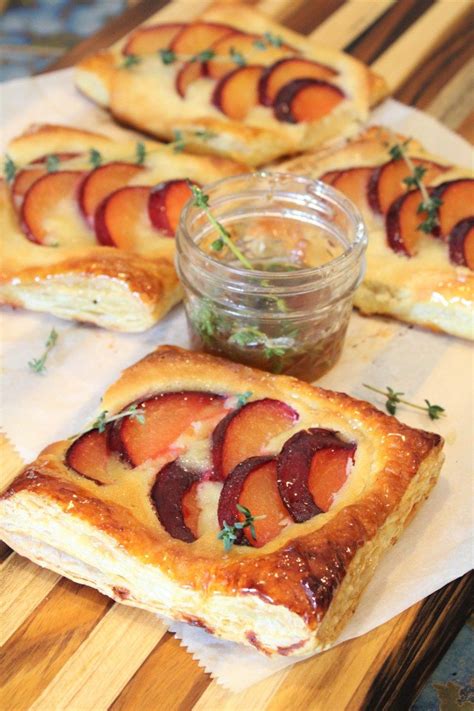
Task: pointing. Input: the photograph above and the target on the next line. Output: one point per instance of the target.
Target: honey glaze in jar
(279, 298)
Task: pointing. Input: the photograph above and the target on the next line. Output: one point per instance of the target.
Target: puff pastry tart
(420, 264)
(87, 224)
(232, 82)
(307, 487)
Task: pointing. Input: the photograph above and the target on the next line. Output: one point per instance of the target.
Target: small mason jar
(279, 296)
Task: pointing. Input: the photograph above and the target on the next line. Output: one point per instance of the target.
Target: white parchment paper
(38, 409)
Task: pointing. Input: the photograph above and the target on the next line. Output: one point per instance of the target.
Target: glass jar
(285, 306)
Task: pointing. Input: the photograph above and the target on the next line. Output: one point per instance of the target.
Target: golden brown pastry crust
(145, 96)
(118, 289)
(426, 289)
(290, 597)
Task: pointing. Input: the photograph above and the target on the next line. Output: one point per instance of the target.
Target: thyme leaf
(237, 57)
(167, 56)
(38, 365)
(52, 163)
(434, 411)
(9, 169)
(203, 56)
(243, 398)
(140, 153)
(131, 60)
(95, 158)
(204, 134)
(179, 142)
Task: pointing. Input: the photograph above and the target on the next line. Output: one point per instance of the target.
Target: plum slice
(386, 183)
(167, 416)
(43, 199)
(402, 223)
(306, 100)
(148, 40)
(286, 70)
(236, 93)
(354, 182)
(198, 36)
(461, 243)
(165, 204)
(244, 433)
(89, 456)
(103, 181)
(122, 220)
(248, 46)
(307, 479)
(26, 177)
(23, 182)
(253, 485)
(192, 509)
(330, 176)
(188, 74)
(172, 484)
(457, 203)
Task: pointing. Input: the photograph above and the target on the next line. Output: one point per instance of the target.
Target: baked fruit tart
(232, 82)
(88, 224)
(255, 506)
(419, 211)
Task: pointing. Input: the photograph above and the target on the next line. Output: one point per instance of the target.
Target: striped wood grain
(454, 102)
(349, 21)
(24, 586)
(401, 59)
(96, 673)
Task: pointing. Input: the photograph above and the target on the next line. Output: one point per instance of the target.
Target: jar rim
(315, 189)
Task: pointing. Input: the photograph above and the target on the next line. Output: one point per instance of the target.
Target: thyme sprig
(202, 200)
(272, 347)
(38, 365)
(134, 412)
(429, 203)
(434, 412)
(229, 533)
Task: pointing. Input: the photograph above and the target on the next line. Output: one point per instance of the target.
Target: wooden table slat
(349, 22)
(402, 58)
(96, 673)
(24, 587)
(41, 646)
(453, 104)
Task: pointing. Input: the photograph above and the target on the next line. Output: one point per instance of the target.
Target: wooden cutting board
(66, 646)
